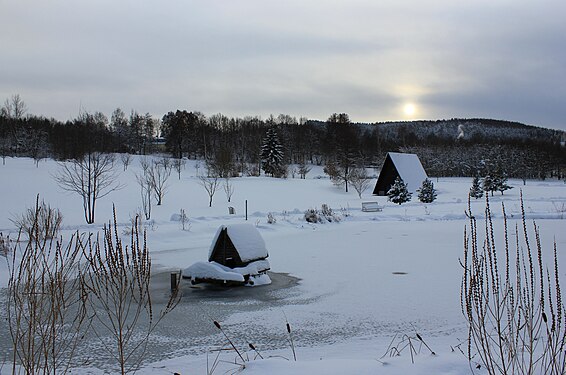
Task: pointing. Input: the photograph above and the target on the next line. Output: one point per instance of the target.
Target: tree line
(234, 145)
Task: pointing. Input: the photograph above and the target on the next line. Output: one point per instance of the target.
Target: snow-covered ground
(363, 283)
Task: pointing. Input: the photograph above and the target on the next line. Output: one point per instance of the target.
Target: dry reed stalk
(513, 326)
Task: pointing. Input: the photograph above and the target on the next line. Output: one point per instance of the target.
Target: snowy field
(348, 289)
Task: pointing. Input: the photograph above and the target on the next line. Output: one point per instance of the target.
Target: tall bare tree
(92, 177)
(158, 174)
(14, 107)
(360, 180)
(211, 185)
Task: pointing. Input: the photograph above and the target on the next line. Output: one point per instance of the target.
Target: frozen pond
(189, 328)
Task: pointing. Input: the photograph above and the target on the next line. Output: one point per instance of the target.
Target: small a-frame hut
(406, 166)
(237, 256)
(237, 245)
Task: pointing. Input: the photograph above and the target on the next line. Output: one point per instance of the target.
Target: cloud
(500, 59)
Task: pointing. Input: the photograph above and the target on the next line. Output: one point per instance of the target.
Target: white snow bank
(217, 271)
(211, 270)
(247, 240)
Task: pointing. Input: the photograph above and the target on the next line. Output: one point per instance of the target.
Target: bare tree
(359, 180)
(14, 107)
(228, 188)
(159, 172)
(118, 284)
(126, 159)
(303, 169)
(179, 164)
(92, 177)
(210, 184)
(46, 305)
(146, 191)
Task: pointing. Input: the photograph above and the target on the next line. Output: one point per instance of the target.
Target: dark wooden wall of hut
(387, 177)
(225, 252)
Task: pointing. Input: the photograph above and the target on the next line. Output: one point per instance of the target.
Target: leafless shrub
(118, 285)
(184, 220)
(47, 220)
(516, 318)
(46, 305)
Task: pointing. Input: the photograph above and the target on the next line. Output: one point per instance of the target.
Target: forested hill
(473, 130)
(455, 147)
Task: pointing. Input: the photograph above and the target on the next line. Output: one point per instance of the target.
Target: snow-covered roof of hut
(410, 169)
(247, 240)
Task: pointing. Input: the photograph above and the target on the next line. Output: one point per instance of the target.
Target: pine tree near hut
(427, 192)
(272, 154)
(476, 190)
(398, 193)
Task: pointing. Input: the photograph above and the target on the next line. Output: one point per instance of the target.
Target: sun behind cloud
(409, 109)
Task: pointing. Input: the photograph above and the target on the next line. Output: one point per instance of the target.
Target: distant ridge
(476, 130)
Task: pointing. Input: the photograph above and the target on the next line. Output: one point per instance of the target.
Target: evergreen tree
(427, 192)
(476, 189)
(398, 193)
(272, 154)
(489, 183)
(501, 182)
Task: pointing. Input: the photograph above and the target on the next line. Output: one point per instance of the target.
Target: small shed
(237, 245)
(406, 166)
(237, 256)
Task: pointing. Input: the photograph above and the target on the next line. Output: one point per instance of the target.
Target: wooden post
(174, 284)
(246, 210)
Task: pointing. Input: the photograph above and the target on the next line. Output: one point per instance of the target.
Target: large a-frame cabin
(406, 166)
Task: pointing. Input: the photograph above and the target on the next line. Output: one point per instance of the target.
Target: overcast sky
(368, 58)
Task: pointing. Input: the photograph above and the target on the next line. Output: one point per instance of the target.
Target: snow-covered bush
(328, 214)
(398, 193)
(271, 218)
(427, 192)
(312, 216)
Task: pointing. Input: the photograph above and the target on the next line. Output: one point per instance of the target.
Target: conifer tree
(501, 182)
(476, 190)
(427, 192)
(489, 183)
(398, 193)
(272, 154)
